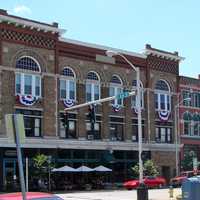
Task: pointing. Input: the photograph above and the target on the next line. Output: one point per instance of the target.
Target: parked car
(29, 196)
(149, 181)
(177, 180)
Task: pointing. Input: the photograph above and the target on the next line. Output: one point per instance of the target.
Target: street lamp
(111, 53)
(177, 132)
(49, 171)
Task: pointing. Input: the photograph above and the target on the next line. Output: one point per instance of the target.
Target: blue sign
(123, 95)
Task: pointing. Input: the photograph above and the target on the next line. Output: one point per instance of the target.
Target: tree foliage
(40, 161)
(149, 169)
(187, 162)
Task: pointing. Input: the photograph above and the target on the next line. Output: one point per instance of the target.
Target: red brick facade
(189, 116)
(26, 38)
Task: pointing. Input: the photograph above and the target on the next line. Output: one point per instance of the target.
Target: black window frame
(114, 124)
(30, 115)
(70, 134)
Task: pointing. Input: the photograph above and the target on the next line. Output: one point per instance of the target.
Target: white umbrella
(101, 168)
(65, 168)
(84, 169)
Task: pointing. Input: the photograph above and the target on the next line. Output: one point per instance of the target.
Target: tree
(149, 169)
(40, 162)
(187, 162)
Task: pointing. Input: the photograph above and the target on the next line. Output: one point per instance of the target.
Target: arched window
(28, 63)
(134, 97)
(162, 96)
(68, 72)
(116, 80)
(68, 84)
(116, 87)
(28, 81)
(187, 117)
(196, 122)
(92, 86)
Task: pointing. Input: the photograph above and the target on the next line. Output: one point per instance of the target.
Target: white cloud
(21, 9)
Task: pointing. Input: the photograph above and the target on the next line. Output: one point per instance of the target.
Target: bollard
(171, 192)
(142, 192)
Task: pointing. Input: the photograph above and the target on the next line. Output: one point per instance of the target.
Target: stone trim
(52, 142)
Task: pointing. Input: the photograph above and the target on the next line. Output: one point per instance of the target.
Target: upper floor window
(28, 82)
(186, 94)
(93, 130)
(191, 124)
(163, 135)
(116, 87)
(162, 96)
(68, 84)
(68, 130)
(32, 122)
(135, 130)
(194, 96)
(92, 86)
(134, 97)
(116, 129)
(187, 117)
(196, 124)
(28, 63)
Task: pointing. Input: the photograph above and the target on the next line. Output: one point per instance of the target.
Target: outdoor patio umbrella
(84, 169)
(65, 168)
(101, 168)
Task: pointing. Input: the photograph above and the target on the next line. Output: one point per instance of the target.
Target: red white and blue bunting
(27, 100)
(164, 115)
(116, 107)
(68, 103)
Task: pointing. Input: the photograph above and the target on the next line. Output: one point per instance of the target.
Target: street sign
(10, 126)
(123, 95)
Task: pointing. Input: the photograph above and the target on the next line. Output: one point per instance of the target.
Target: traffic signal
(92, 114)
(64, 119)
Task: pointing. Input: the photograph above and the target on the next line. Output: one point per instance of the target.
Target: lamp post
(49, 172)
(177, 132)
(110, 53)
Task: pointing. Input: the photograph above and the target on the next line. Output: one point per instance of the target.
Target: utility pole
(16, 119)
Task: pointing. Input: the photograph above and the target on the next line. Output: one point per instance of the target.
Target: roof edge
(102, 47)
(29, 23)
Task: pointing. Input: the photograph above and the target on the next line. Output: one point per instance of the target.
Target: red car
(29, 196)
(177, 181)
(149, 181)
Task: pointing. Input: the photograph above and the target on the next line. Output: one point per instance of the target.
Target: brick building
(42, 73)
(189, 116)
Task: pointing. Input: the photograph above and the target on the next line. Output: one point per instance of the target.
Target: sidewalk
(154, 194)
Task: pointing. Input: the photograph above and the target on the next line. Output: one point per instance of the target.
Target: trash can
(191, 189)
(142, 192)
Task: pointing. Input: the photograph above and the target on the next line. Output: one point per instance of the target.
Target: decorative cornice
(31, 25)
(163, 55)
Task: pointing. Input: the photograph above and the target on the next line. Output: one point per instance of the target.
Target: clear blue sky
(171, 25)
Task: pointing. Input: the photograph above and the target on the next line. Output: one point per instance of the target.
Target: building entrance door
(166, 173)
(10, 174)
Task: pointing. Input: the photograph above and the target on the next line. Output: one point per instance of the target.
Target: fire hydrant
(171, 192)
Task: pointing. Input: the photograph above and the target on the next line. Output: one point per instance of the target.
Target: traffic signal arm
(120, 96)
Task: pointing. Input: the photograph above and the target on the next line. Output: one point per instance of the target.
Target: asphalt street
(154, 194)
